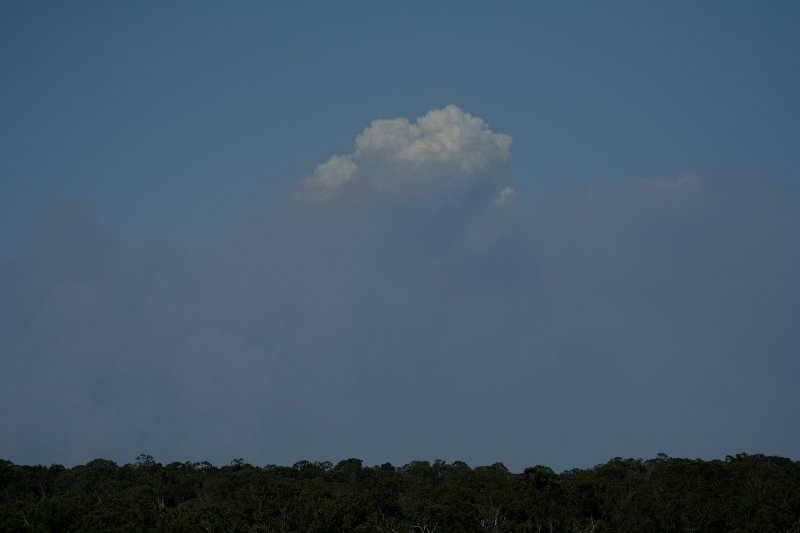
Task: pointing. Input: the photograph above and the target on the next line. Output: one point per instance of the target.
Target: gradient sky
(572, 234)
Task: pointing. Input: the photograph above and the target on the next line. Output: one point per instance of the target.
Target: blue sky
(157, 157)
(193, 113)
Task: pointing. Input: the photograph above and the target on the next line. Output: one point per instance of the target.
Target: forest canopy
(741, 493)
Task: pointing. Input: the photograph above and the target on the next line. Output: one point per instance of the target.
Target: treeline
(743, 493)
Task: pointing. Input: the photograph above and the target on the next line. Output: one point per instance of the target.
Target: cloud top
(445, 150)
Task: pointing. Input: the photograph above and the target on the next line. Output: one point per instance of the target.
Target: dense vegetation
(742, 493)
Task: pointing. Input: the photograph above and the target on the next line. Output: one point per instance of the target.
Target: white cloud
(505, 196)
(445, 150)
(331, 175)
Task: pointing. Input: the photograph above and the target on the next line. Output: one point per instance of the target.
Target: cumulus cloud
(445, 150)
(331, 175)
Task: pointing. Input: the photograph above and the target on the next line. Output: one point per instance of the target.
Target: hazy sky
(536, 233)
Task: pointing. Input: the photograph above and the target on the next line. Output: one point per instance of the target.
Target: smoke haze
(401, 302)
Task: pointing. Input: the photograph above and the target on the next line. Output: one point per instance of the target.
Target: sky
(528, 232)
